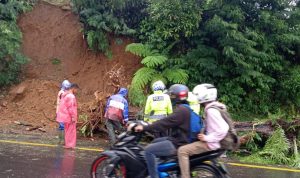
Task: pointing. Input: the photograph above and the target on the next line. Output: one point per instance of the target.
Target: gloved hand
(124, 122)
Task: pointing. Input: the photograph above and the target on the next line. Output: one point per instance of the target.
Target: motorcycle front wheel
(102, 168)
(205, 171)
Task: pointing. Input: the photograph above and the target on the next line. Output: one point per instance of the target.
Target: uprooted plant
(277, 150)
(93, 120)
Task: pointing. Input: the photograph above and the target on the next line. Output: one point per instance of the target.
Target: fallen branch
(266, 128)
(23, 123)
(30, 127)
(42, 129)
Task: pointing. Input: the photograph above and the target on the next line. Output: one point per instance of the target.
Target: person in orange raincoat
(67, 114)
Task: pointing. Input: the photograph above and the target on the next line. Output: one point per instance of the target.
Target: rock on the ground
(66, 7)
(3, 104)
(18, 92)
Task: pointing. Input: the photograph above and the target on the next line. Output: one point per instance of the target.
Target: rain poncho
(67, 108)
(67, 114)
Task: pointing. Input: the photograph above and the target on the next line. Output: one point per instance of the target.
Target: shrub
(170, 21)
(104, 17)
(10, 57)
(155, 68)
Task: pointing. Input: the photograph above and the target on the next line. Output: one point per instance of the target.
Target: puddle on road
(31, 161)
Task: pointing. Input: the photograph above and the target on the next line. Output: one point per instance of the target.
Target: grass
(118, 41)
(55, 61)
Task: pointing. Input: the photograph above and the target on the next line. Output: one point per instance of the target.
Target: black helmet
(178, 93)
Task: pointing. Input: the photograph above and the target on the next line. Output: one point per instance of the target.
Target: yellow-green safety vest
(194, 103)
(158, 106)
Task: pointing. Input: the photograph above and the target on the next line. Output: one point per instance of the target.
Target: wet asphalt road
(23, 161)
(29, 162)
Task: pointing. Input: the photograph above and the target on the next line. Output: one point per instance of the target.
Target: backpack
(231, 140)
(196, 124)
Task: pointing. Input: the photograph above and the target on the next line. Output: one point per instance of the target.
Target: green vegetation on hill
(10, 57)
(249, 49)
(155, 68)
(104, 17)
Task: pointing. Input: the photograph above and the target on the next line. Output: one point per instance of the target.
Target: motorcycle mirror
(143, 123)
(131, 126)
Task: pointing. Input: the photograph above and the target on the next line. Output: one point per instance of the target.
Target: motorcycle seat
(209, 155)
(167, 159)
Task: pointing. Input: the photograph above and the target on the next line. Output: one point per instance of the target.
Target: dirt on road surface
(53, 40)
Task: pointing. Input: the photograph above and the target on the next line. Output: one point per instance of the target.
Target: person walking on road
(116, 114)
(65, 85)
(67, 114)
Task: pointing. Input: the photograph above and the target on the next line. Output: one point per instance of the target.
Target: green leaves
(142, 77)
(244, 48)
(154, 61)
(152, 58)
(9, 11)
(10, 38)
(10, 57)
(97, 40)
(176, 75)
(139, 49)
(276, 150)
(101, 17)
(277, 147)
(247, 48)
(155, 68)
(169, 21)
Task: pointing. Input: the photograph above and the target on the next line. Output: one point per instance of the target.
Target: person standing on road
(216, 128)
(67, 114)
(158, 105)
(116, 113)
(65, 85)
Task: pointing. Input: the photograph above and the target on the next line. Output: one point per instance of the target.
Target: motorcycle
(126, 160)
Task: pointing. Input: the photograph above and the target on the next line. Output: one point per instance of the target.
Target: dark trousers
(112, 126)
(159, 147)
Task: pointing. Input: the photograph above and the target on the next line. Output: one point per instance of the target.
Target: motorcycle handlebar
(131, 125)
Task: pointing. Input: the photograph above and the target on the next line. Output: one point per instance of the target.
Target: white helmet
(205, 92)
(65, 85)
(158, 85)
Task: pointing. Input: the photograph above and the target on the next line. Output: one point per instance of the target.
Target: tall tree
(244, 47)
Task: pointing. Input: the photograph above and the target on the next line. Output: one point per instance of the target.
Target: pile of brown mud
(53, 40)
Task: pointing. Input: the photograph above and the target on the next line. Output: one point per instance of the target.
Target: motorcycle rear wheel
(101, 168)
(205, 171)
